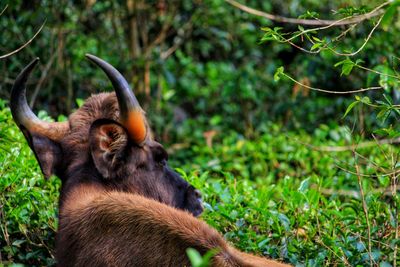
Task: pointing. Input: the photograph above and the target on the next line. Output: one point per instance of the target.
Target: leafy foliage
(27, 202)
(273, 196)
(281, 174)
(218, 67)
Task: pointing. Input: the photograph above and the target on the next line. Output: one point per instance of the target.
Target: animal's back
(99, 228)
(120, 229)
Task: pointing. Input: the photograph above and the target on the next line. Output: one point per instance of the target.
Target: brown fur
(103, 105)
(134, 170)
(101, 228)
(117, 199)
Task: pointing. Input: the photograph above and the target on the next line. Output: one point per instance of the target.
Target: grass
(274, 195)
(27, 202)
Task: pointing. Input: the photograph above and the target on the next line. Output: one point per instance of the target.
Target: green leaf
(365, 100)
(197, 260)
(388, 99)
(315, 46)
(383, 114)
(316, 39)
(194, 256)
(389, 15)
(347, 66)
(350, 107)
(385, 79)
(359, 61)
(304, 185)
(18, 243)
(279, 71)
(79, 102)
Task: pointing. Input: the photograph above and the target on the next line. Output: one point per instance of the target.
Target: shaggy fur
(119, 229)
(120, 204)
(97, 150)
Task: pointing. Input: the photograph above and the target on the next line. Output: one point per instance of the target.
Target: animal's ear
(47, 152)
(108, 140)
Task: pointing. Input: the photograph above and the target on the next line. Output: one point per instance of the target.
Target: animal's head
(106, 142)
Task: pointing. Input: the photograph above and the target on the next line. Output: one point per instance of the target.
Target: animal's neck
(79, 176)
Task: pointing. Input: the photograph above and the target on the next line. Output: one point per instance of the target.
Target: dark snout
(193, 201)
(185, 196)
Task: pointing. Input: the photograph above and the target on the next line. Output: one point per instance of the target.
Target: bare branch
(277, 18)
(358, 146)
(42, 79)
(363, 45)
(365, 208)
(289, 40)
(24, 45)
(1, 13)
(163, 34)
(335, 23)
(180, 38)
(378, 72)
(342, 258)
(351, 193)
(333, 92)
(364, 174)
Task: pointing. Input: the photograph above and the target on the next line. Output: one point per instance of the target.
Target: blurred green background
(207, 83)
(185, 59)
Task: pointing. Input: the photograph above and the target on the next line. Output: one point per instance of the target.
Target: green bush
(27, 202)
(273, 195)
(262, 152)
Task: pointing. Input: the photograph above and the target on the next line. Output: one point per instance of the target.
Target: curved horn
(23, 115)
(131, 114)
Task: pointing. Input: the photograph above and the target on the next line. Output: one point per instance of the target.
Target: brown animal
(105, 142)
(120, 203)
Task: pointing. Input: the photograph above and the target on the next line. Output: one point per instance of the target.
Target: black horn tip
(89, 55)
(23, 76)
(103, 65)
(19, 107)
(93, 58)
(31, 65)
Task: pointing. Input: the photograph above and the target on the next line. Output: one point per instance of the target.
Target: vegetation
(286, 169)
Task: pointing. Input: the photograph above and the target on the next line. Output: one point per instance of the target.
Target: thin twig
(365, 208)
(336, 39)
(310, 22)
(24, 45)
(378, 72)
(326, 46)
(4, 230)
(1, 13)
(181, 35)
(366, 175)
(344, 33)
(336, 22)
(394, 196)
(42, 78)
(358, 146)
(338, 162)
(343, 259)
(333, 92)
(163, 32)
(363, 45)
(381, 148)
(382, 169)
(351, 193)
